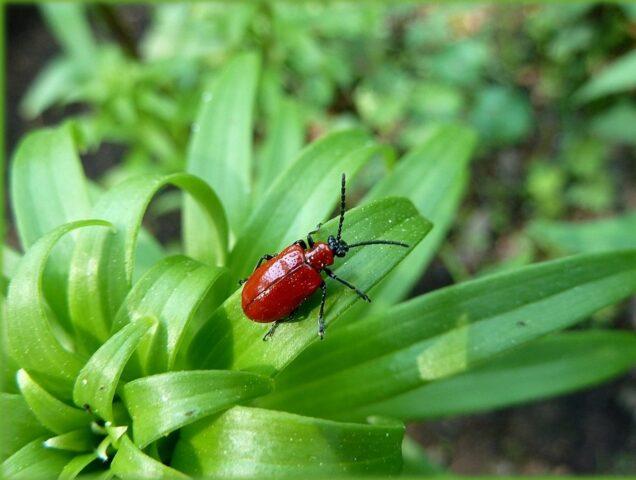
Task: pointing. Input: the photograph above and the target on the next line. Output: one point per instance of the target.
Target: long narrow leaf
(102, 264)
(52, 413)
(31, 339)
(18, 426)
(230, 340)
(433, 176)
(619, 76)
(130, 462)
(220, 148)
(97, 382)
(448, 332)
(547, 367)
(261, 443)
(160, 404)
(35, 462)
(177, 292)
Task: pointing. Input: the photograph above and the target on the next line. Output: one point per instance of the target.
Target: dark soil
(590, 432)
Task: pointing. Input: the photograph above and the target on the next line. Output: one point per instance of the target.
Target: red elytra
(280, 285)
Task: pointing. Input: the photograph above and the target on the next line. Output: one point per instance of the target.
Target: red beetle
(279, 286)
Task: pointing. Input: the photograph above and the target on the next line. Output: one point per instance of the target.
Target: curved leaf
(31, 340)
(81, 440)
(96, 383)
(52, 85)
(52, 413)
(35, 462)
(433, 176)
(160, 404)
(584, 237)
(544, 368)
(301, 197)
(447, 332)
(48, 189)
(73, 468)
(69, 23)
(18, 426)
(130, 462)
(177, 291)
(102, 264)
(618, 76)
(262, 443)
(220, 147)
(231, 340)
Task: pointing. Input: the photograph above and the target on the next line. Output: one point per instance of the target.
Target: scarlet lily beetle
(279, 286)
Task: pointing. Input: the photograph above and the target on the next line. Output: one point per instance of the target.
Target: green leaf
(619, 76)
(266, 444)
(51, 86)
(52, 413)
(97, 382)
(433, 176)
(543, 368)
(130, 462)
(447, 332)
(221, 144)
(416, 461)
(161, 404)
(48, 189)
(35, 462)
(18, 426)
(73, 468)
(180, 293)
(102, 264)
(81, 440)
(31, 338)
(301, 197)
(582, 237)
(69, 24)
(231, 340)
(284, 140)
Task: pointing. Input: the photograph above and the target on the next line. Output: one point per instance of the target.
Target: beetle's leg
(267, 256)
(271, 330)
(302, 244)
(310, 240)
(360, 293)
(321, 315)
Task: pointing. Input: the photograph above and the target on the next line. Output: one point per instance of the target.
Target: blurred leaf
(619, 76)
(35, 462)
(52, 85)
(69, 24)
(282, 445)
(284, 139)
(161, 404)
(48, 189)
(130, 462)
(177, 292)
(591, 236)
(231, 340)
(416, 461)
(220, 146)
(547, 367)
(616, 124)
(52, 413)
(97, 382)
(433, 176)
(103, 262)
(31, 338)
(447, 332)
(300, 198)
(502, 116)
(18, 426)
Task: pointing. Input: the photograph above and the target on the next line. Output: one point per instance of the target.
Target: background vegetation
(539, 99)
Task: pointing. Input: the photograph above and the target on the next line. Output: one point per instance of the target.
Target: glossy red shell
(281, 284)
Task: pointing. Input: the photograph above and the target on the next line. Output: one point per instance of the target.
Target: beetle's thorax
(319, 256)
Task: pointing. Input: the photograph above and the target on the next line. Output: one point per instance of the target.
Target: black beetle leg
(271, 330)
(267, 256)
(321, 314)
(360, 293)
(310, 240)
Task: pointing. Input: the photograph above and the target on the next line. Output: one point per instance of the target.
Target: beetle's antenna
(342, 207)
(377, 242)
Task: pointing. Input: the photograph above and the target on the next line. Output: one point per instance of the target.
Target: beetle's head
(338, 246)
